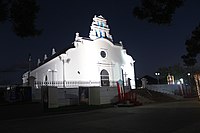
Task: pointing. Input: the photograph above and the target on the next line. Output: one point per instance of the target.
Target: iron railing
(70, 84)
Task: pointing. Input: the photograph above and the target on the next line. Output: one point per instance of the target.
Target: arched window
(104, 78)
(46, 78)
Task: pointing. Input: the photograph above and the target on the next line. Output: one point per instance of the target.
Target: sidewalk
(20, 110)
(35, 109)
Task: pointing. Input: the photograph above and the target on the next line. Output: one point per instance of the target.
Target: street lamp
(157, 76)
(188, 74)
(189, 83)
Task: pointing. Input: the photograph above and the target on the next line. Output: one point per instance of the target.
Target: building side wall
(85, 63)
(52, 70)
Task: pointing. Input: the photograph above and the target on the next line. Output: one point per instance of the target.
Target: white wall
(68, 96)
(103, 95)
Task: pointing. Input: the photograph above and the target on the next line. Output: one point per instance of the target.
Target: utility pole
(29, 68)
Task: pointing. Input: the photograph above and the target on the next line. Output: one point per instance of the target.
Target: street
(172, 117)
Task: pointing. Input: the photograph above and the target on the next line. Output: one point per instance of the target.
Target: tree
(192, 47)
(176, 70)
(22, 15)
(3, 11)
(161, 12)
(157, 11)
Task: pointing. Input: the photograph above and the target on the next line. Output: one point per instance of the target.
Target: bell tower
(99, 28)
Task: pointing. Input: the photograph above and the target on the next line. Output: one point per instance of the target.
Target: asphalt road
(174, 117)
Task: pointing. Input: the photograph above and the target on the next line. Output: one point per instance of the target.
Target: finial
(121, 44)
(100, 16)
(45, 57)
(38, 62)
(53, 51)
(77, 36)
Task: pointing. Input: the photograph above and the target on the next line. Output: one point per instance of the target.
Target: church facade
(91, 62)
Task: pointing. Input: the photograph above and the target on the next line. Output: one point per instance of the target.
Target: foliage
(157, 11)
(161, 12)
(177, 71)
(3, 11)
(22, 15)
(192, 47)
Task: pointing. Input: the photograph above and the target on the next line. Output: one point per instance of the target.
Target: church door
(105, 78)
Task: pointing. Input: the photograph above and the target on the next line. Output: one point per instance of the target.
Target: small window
(103, 54)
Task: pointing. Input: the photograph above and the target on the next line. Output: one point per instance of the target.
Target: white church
(91, 62)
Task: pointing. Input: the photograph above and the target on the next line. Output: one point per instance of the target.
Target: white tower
(99, 28)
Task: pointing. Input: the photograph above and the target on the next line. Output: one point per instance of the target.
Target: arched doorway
(104, 78)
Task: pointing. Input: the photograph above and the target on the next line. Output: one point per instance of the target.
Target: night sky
(151, 45)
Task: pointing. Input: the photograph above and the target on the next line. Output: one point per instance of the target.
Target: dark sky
(151, 45)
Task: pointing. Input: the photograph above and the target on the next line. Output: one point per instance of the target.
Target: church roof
(100, 16)
(86, 38)
(54, 56)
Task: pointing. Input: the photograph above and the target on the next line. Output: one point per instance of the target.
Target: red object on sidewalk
(119, 91)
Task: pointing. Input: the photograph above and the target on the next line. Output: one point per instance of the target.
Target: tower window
(101, 34)
(96, 34)
(102, 24)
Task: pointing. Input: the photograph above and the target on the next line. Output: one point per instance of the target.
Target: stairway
(149, 96)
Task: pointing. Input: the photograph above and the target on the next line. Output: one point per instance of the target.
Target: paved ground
(36, 109)
(174, 117)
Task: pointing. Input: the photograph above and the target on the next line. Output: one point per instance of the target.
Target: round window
(103, 54)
